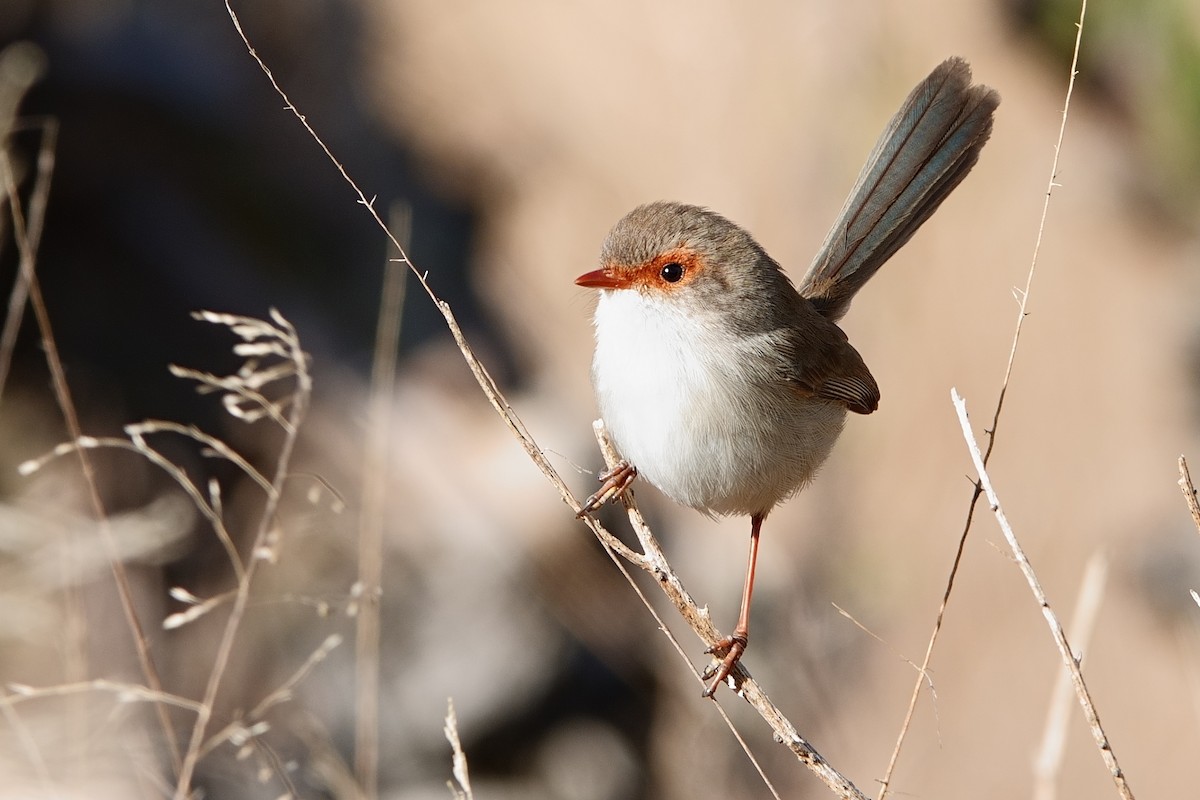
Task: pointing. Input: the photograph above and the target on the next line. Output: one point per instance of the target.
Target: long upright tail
(929, 146)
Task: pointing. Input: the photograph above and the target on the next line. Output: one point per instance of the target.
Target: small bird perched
(721, 383)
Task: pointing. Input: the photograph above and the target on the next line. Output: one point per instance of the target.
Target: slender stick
(1048, 763)
(242, 596)
(1189, 491)
(977, 492)
(1070, 659)
(459, 767)
(62, 393)
(370, 534)
(39, 199)
(653, 561)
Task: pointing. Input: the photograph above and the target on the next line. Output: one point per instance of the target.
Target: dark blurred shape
(181, 182)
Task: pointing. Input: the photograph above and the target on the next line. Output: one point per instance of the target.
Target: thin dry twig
(1048, 763)
(196, 609)
(375, 485)
(209, 507)
(29, 744)
(459, 767)
(251, 331)
(27, 250)
(38, 202)
(616, 551)
(928, 679)
(1070, 658)
(1189, 491)
(260, 340)
(654, 562)
(253, 723)
(125, 692)
(1022, 312)
(238, 393)
(696, 617)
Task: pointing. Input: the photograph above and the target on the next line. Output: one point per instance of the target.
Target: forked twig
(1022, 312)
(1070, 658)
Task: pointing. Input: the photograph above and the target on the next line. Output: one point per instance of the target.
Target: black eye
(672, 272)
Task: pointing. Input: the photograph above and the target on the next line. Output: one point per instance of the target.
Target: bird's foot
(614, 483)
(732, 647)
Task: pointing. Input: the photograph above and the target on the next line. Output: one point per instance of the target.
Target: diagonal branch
(250, 330)
(27, 247)
(1070, 659)
(1022, 313)
(653, 560)
(1189, 491)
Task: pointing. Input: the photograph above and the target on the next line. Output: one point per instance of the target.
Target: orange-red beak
(604, 278)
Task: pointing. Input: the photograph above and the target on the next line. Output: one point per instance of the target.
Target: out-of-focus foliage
(1142, 57)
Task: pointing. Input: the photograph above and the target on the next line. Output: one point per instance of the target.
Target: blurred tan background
(523, 131)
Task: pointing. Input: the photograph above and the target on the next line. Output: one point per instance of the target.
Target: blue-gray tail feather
(929, 146)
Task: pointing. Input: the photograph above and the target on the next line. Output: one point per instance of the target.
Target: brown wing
(823, 364)
(858, 393)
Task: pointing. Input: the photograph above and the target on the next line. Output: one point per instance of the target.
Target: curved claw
(614, 482)
(733, 646)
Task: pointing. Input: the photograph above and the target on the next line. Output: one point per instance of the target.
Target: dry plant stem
(30, 747)
(697, 618)
(655, 563)
(137, 443)
(282, 694)
(38, 200)
(1048, 763)
(213, 447)
(459, 766)
(923, 669)
(882, 641)
(370, 533)
(279, 768)
(125, 692)
(481, 375)
(977, 491)
(62, 393)
(233, 385)
(616, 554)
(267, 520)
(74, 634)
(209, 510)
(1070, 660)
(1189, 491)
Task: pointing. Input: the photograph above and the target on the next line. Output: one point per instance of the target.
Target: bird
(720, 381)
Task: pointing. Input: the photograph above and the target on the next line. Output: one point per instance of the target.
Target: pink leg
(733, 646)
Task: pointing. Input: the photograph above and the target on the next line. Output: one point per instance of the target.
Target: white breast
(695, 408)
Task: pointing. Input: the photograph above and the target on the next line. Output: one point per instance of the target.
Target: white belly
(696, 410)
